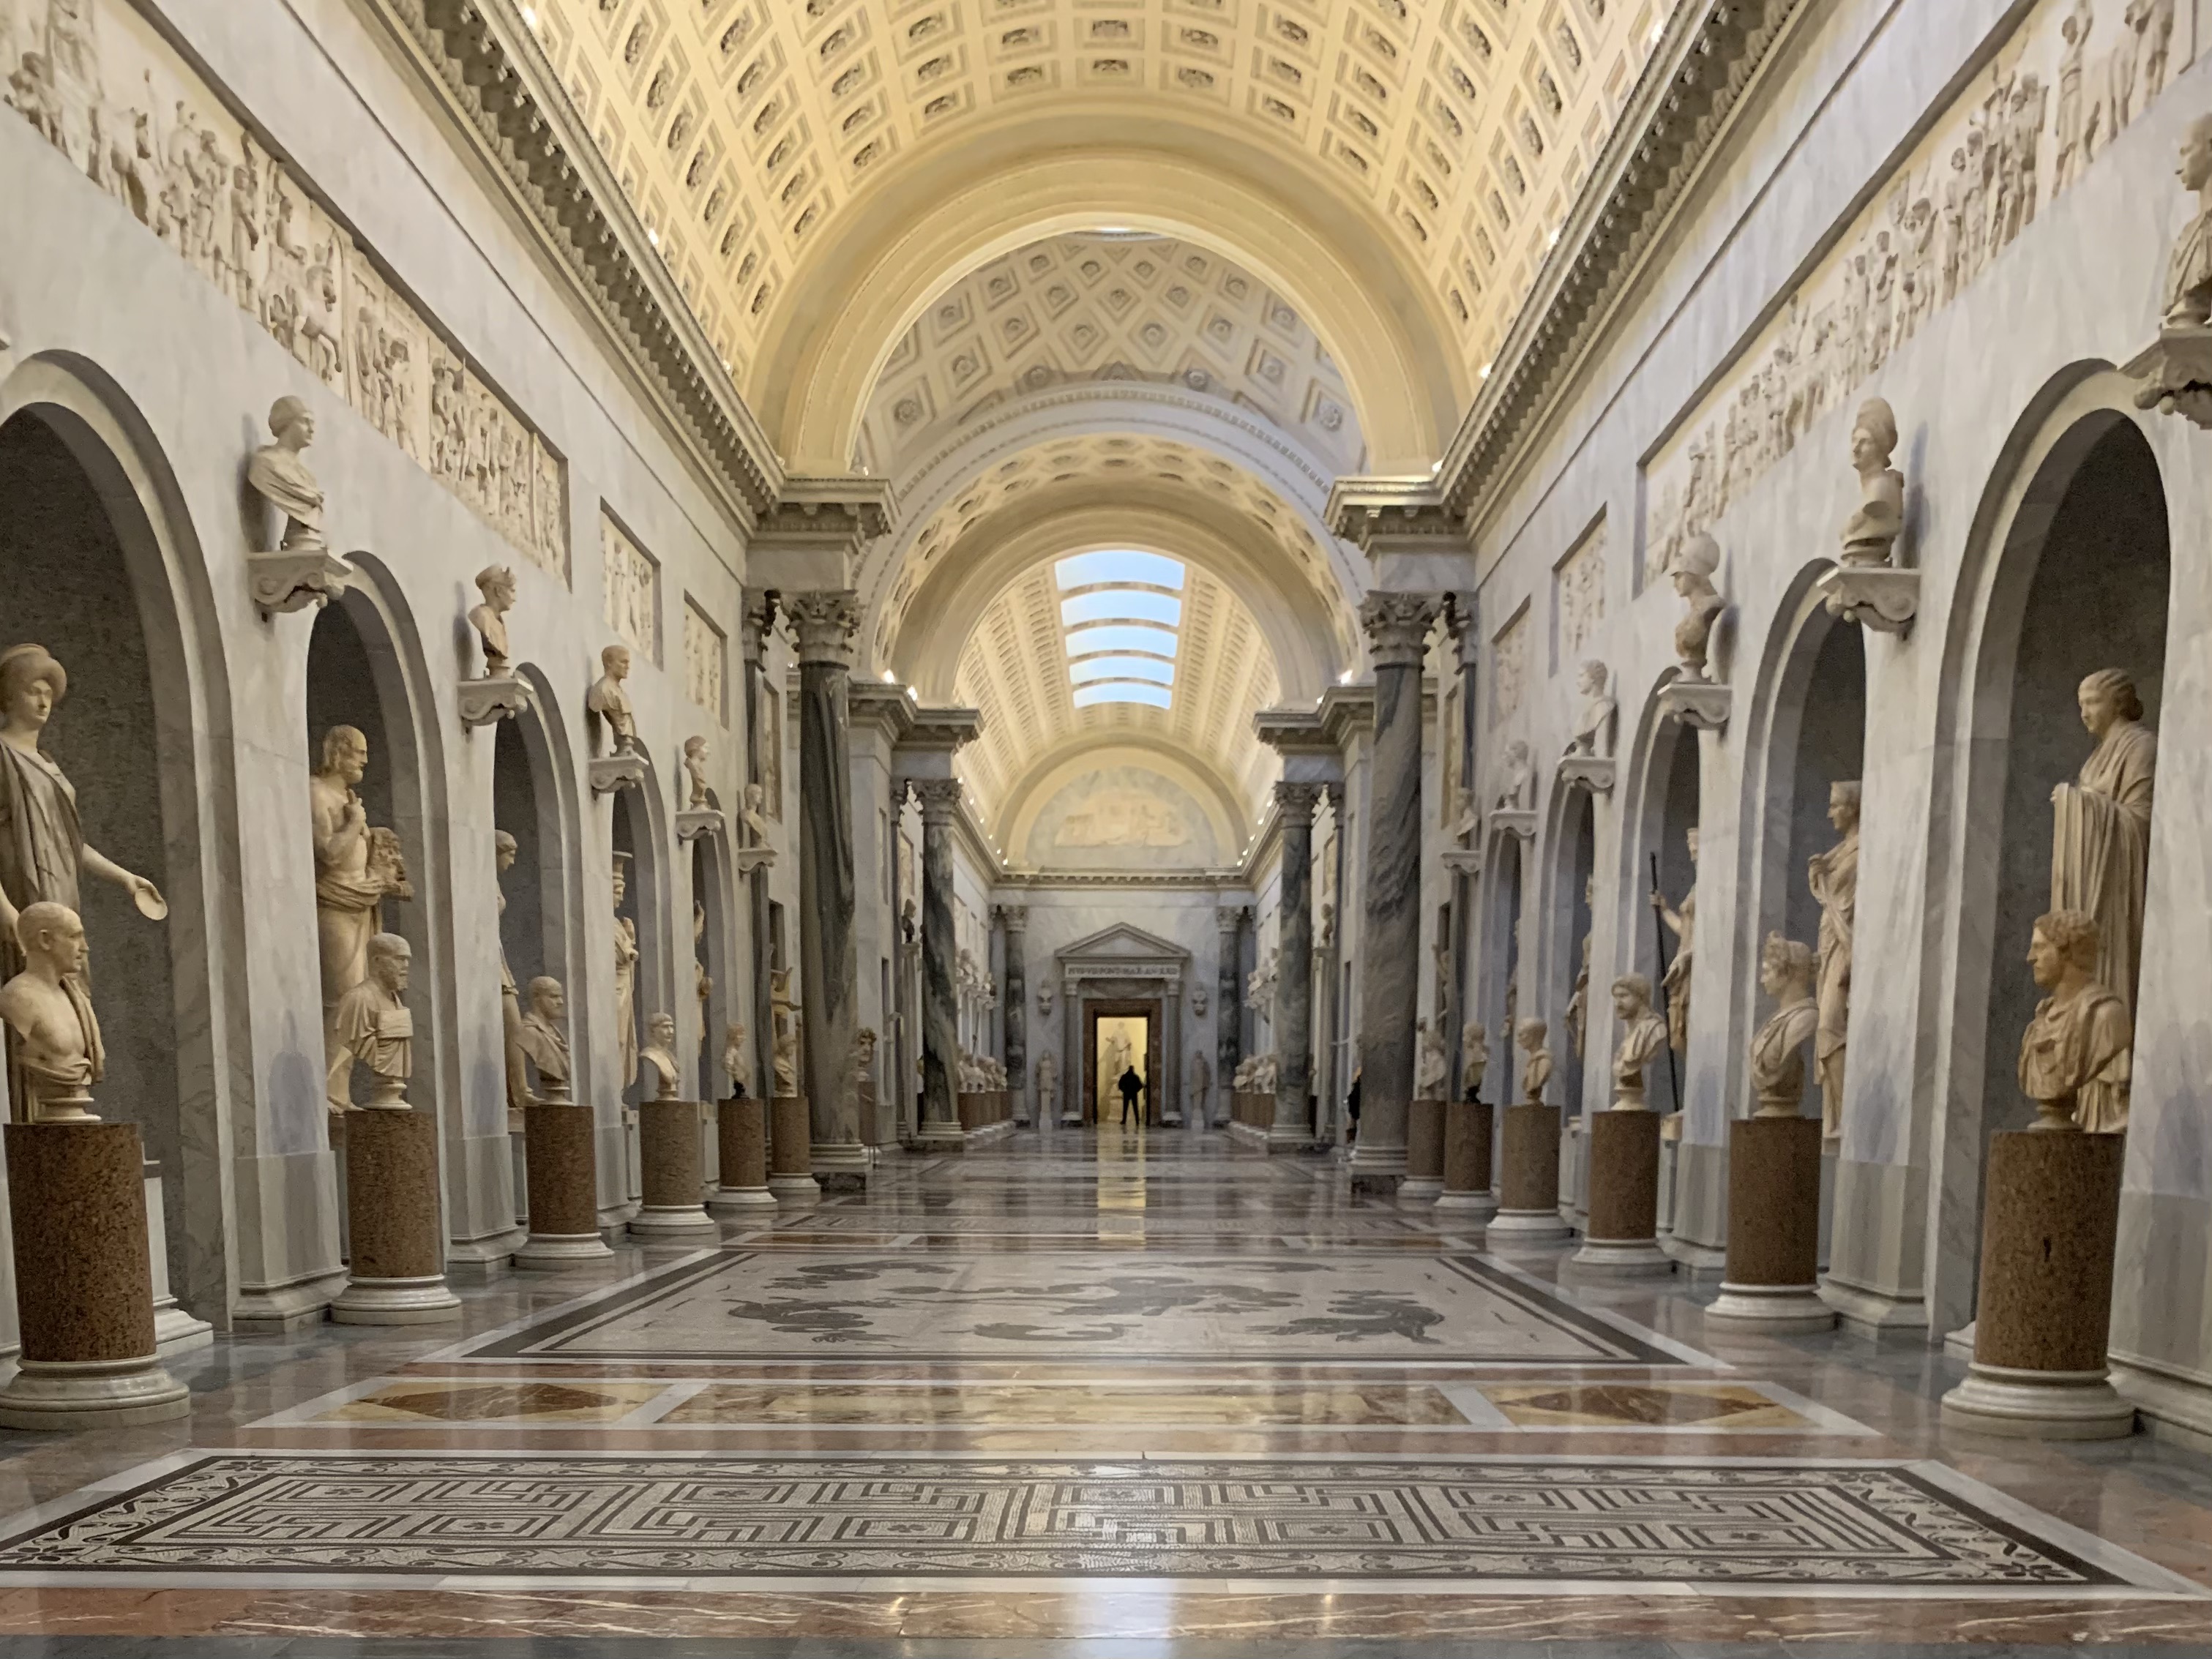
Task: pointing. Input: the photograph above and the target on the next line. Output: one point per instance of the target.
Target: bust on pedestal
(559, 1144)
(668, 1141)
(1624, 1151)
(301, 571)
(741, 1127)
(499, 693)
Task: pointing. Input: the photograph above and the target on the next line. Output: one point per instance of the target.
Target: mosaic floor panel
(1732, 1525)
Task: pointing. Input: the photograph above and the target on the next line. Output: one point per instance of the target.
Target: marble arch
(1566, 855)
(1645, 826)
(548, 795)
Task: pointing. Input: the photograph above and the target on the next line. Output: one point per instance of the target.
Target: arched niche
(1562, 938)
(1498, 994)
(101, 565)
(1662, 790)
(534, 800)
(714, 901)
(641, 832)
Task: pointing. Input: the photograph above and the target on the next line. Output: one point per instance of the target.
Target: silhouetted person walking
(1132, 1086)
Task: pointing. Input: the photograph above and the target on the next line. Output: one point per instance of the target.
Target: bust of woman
(1872, 531)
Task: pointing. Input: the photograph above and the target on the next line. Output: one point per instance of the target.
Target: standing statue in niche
(54, 1054)
(1594, 730)
(280, 477)
(1642, 1040)
(1048, 1084)
(1536, 1069)
(1429, 1078)
(609, 702)
(1871, 531)
(544, 1039)
(356, 869)
(734, 1058)
(625, 975)
(510, 998)
(657, 1060)
(2076, 1057)
(1777, 1051)
(1692, 576)
(1682, 922)
(1834, 877)
(1577, 1018)
(2100, 828)
(787, 1034)
(1473, 1059)
(372, 1027)
(496, 582)
(1199, 1085)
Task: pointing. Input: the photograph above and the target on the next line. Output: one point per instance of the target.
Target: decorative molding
(611, 772)
(1698, 703)
(1592, 772)
(285, 582)
(494, 698)
(1872, 596)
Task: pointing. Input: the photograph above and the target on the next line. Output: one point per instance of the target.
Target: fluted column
(1014, 919)
(1397, 627)
(940, 992)
(827, 899)
(1229, 1007)
(1293, 1011)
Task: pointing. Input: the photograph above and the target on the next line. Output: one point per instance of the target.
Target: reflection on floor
(1142, 1388)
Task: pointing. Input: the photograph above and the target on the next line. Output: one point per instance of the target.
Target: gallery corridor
(1141, 1393)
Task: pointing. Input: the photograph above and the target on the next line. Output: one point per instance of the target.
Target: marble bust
(280, 477)
(545, 1041)
(2101, 827)
(1693, 576)
(1519, 793)
(2075, 1058)
(1872, 530)
(1536, 1069)
(1642, 1040)
(1429, 1082)
(734, 1057)
(695, 770)
(1777, 1051)
(657, 1066)
(1473, 1058)
(54, 1052)
(609, 702)
(1594, 729)
(2189, 270)
(754, 817)
(496, 583)
(372, 1027)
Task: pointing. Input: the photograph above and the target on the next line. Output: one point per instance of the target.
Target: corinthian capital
(1397, 627)
(1296, 801)
(827, 623)
(939, 799)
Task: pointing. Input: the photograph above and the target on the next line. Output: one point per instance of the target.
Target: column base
(1620, 1258)
(944, 1138)
(1376, 1169)
(92, 1394)
(674, 1221)
(1478, 1207)
(177, 1332)
(1783, 1308)
(423, 1300)
(2038, 1405)
(1515, 1227)
(1872, 1310)
(840, 1166)
(553, 1251)
(1281, 1139)
(1420, 1189)
(802, 1189)
(741, 1199)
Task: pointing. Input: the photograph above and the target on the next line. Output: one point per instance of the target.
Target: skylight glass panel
(1120, 605)
(1092, 569)
(1109, 636)
(1121, 691)
(1109, 668)
(1119, 610)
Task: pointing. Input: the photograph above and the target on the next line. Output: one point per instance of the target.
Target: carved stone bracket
(1592, 772)
(749, 859)
(1698, 704)
(694, 822)
(1463, 861)
(2174, 377)
(613, 772)
(494, 698)
(284, 582)
(1872, 596)
(1519, 821)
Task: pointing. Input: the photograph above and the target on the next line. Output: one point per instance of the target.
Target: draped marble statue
(54, 1052)
(786, 1065)
(1777, 1050)
(1642, 1040)
(1473, 1059)
(1536, 1068)
(2100, 828)
(625, 976)
(279, 476)
(356, 869)
(1428, 1077)
(1199, 1084)
(371, 1027)
(544, 1039)
(510, 996)
(1047, 1082)
(1834, 877)
(1682, 921)
(2076, 1057)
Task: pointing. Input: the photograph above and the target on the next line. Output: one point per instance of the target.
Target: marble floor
(1087, 1394)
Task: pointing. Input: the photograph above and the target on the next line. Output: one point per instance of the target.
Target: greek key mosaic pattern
(1741, 1526)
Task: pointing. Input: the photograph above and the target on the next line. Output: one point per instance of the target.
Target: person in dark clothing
(1352, 1107)
(1131, 1085)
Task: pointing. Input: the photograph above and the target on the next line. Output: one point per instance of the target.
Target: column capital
(1296, 801)
(1398, 626)
(827, 623)
(939, 799)
(1016, 917)
(754, 621)
(1230, 917)
(1335, 793)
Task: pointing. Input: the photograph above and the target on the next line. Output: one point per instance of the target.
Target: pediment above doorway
(1122, 951)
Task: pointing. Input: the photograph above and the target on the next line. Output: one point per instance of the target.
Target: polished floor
(1099, 1394)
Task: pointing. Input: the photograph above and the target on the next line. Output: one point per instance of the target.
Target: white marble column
(1293, 1010)
(829, 901)
(1398, 626)
(1013, 1000)
(1229, 1004)
(940, 1003)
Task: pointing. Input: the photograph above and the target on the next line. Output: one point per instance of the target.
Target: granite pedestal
(1624, 1203)
(1424, 1181)
(672, 1182)
(84, 1289)
(741, 1134)
(791, 1152)
(564, 1198)
(1467, 1126)
(2050, 1221)
(1771, 1282)
(396, 1245)
(1528, 1180)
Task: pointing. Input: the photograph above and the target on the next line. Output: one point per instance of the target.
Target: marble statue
(2189, 270)
(43, 852)
(1048, 1084)
(1267, 1074)
(2100, 828)
(754, 815)
(280, 477)
(626, 955)
(1044, 999)
(1468, 820)
(1428, 1077)
(54, 1053)
(609, 702)
(733, 1058)
(1871, 531)
(1834, 877)
(1198, 1003)
(703, 982)
(2076, 1057)
(1692, 575)
(657, 1060)
(1519, 794)
(786, 1063)
(1777, 1051)
(1325, 929)
(1473, 1058)
(1642, 1040)
(545, 1041)
(1536, 1069)
(1200, 1084)
(1594, 729)
(372, 1027)
(356, 869)
(496, 582)
(1577, 1015)
(510, 998)
(1682, 922)
(694, 771)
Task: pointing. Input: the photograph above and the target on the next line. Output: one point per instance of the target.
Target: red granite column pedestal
(791, 1152)
(1624, 1205)
(559, 1145)
(1528, 1180)
(672, 1183)
(1466, 1161)
(1423, 1181)
(741, 1132)
(396, 1250)
(1771, 1282)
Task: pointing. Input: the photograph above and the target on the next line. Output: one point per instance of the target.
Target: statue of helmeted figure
(657, 1060)
(372, 1027)
(2100, 828)
(1536, 1069)
(1777, 1050)
(1473, 1059)
(356, 869)
(280, 477)
(1642, 1040)
(625, 976)
(1682, 921)
(1834, 877)
(1693, 576)
(496, 582)
(510, 996)
(54, 1053)
(544, 1039)
(2076, 1058)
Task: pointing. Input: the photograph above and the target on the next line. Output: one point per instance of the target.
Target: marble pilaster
(1229, 1006)
(940, 1008)
(1293, 1010)
(1014, 924)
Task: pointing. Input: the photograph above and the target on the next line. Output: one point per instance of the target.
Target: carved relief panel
(1578, 597)
(631, 583)
(706, 658)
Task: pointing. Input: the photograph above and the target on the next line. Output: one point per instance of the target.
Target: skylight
(1119, 614)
